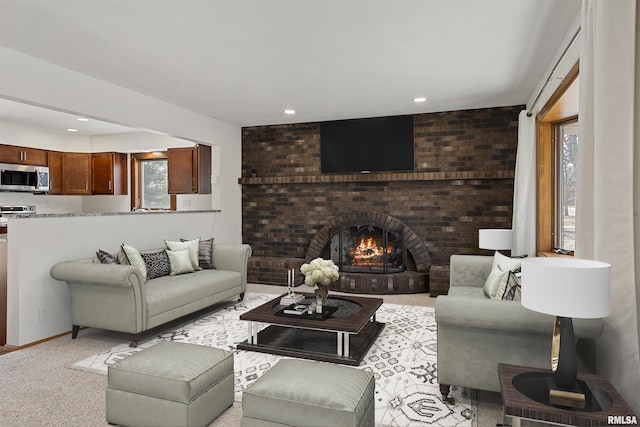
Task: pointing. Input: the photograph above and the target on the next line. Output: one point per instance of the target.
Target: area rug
(403, 361)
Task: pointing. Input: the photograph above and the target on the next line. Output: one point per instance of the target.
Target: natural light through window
(566, 148)
(155, 184)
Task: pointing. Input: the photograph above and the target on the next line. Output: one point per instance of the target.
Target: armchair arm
(499, 315)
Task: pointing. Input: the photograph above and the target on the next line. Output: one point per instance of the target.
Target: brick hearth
(463, 181)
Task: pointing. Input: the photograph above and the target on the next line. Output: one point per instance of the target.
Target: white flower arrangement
(322, 271)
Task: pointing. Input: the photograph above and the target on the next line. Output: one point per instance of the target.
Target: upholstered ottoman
(312, 394)
(170, 384)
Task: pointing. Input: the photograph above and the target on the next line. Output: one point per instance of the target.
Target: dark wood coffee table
(344, 337)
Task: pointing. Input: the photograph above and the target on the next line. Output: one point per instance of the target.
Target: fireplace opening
(367, 249)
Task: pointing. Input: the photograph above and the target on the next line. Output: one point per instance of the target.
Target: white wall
(27, 79)
(38, 306)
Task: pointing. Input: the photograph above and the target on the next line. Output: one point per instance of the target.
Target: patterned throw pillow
(513, 289)
(134, 258)
(106, 258)
(205, 254)
(499, 270)
(157, 264)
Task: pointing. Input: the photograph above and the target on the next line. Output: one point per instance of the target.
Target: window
(153, 185)
(566, 151)
(149, 178)
(557, 146)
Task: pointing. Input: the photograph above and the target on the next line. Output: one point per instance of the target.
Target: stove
(22, 210)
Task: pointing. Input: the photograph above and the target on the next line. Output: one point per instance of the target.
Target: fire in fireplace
(367, 249)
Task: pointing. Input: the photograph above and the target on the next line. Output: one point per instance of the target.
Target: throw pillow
(157, 264)
(499, 269)
(134, 258)
(205, 254)
(180, 262)
(192, 245)
(512, 291)
(106, 258)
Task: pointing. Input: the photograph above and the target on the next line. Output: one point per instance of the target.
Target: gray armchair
(476, 333)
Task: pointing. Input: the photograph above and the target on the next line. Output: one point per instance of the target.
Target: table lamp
(566, 288)
(495, 239)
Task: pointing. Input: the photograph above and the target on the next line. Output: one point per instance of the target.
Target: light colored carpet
(38, 387)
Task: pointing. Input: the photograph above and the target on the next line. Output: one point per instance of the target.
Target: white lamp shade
(494, 238)
(567, 287)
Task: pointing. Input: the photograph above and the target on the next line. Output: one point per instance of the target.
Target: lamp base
(574, 398)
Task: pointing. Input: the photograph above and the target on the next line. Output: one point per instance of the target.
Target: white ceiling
(245, 61)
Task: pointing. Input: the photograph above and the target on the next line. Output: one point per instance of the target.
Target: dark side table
(525, 397)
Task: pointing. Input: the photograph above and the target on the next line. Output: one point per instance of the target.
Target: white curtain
(524, 189)
(609, 135)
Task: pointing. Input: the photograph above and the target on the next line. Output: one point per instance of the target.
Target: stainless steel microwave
(33, 179)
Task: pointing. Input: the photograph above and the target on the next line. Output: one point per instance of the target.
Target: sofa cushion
(192, 245)
(106, 258)
(466, 291)
(511, 289)
(180, 262)
(169, 292)
(134, 258)
(499, 272)
(157, 264)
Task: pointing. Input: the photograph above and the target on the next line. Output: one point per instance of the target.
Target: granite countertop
(139, 212)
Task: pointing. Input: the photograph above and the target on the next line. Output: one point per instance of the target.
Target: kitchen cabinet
(55, 172)
(109, 173)
(76, 173)
(189, 170)
(22, 155)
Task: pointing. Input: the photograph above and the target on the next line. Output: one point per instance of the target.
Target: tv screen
(363, 145)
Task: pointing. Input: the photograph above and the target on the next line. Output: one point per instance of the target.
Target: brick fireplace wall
(463, 181)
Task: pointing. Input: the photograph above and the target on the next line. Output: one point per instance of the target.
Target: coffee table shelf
(343, 338)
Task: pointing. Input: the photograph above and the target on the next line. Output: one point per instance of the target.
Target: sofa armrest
(469, 270)
(499, 315)
(86, 271)
(232, 258)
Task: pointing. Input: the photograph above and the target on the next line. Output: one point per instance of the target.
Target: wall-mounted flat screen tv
(367, 145)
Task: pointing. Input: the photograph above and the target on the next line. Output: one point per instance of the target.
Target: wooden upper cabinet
(22, 155)
(76, 173)
(55, 172)
(109, 173)
(189, 170)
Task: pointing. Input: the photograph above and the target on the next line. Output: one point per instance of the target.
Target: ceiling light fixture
(290, 112)
(82, 119)
(72, 130)
(419, 99)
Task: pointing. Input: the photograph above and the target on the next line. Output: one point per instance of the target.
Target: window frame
(136, 177)
(561, 107)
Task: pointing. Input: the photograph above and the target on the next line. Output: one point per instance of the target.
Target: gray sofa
(116, 296)
(476, 333)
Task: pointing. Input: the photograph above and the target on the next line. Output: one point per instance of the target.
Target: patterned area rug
(403, 361)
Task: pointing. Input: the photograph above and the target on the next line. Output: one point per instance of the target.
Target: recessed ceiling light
(290, 112)
(419, 99)
(72, 130)
(82, 119)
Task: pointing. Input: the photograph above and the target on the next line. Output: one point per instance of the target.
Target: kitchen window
(149, 178)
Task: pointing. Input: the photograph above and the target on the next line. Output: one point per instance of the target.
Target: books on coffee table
(298, 309)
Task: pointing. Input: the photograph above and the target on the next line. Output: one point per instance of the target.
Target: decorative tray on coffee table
(326, 312)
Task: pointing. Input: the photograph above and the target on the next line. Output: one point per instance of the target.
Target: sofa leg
(241, 296)
(444, 390)
(74, 331)
(134, 340)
